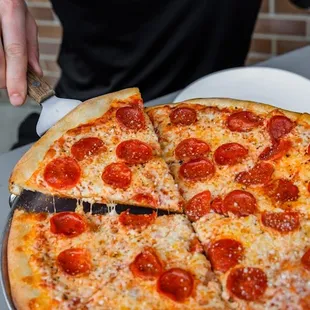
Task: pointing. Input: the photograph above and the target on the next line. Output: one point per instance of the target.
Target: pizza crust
(21, 236)
(241, 104)
(89, 110)
(19, 260)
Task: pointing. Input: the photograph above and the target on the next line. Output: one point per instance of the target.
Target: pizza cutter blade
(38, 202)
(53, 108)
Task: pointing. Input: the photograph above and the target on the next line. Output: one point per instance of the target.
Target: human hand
(18, 48)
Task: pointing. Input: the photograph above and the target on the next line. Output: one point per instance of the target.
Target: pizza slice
(71, 260)
(262, 262)
(104, 151)
(235, 157)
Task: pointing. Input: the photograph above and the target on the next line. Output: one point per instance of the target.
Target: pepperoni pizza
(104, 151)
(236, 157)
(73, 260)
(243, 170)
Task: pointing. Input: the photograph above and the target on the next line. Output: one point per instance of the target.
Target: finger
(32, 44)
(14, 41)
(2, 64)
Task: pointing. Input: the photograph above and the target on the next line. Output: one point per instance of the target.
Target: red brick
(276, 26)
(41, 13)
(52, 66)
(43, 64)
(50, 31)
(51, 80)
(49, 48)
(261, 46)
(265, 6)
(286, 7)
(284, 46)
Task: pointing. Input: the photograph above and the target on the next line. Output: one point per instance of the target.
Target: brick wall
(281, 27)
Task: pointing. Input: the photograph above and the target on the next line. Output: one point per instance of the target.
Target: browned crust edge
(18, 262)
(302, 118)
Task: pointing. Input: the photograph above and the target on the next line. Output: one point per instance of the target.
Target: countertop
(297, 61)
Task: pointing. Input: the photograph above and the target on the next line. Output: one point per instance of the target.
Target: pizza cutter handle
(37, 87)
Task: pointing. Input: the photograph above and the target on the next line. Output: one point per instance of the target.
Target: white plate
(277, 87)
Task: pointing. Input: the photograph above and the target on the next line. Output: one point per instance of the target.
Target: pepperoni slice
(131, 117)
(195, 246)
(305, 260)
(146, 265)
(259, 174)
(217, 205)
(69, 224)
(243, 121)
(225, 254)
(136, 221)
(176, 283)
(284, 222)
(197, 170)
(145, 199)
(183, 116)
(74, 261)
(230, 154)
(87, 147)
(191, 149)
(309, 187)
(240, 203)
(117, 175)
(134, 152)
(277, 150)
(282, 190)
(279, 126)
(198, 206)
(247, 283)
(62, 173)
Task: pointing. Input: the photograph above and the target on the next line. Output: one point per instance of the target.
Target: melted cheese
(110, 284)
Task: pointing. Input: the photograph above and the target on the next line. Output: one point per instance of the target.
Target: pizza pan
(5, 283)
(37, 202)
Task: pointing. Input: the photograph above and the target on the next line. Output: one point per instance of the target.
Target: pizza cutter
(53, 108)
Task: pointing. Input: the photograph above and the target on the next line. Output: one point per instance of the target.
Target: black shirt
(159, 46)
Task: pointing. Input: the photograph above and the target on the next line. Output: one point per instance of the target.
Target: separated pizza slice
(262, 262)
(83, 261)
(235, 157)
(104, 151)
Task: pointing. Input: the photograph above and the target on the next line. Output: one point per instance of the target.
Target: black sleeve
(304, 4)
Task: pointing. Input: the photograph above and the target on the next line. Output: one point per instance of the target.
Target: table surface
(297, 61)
